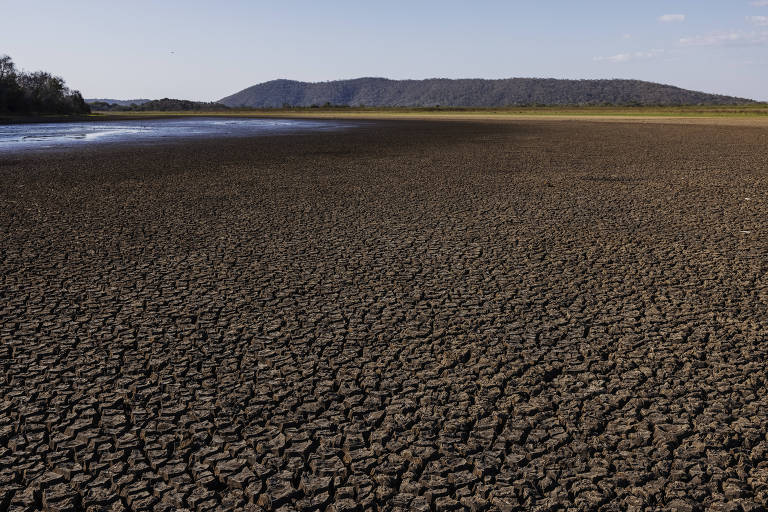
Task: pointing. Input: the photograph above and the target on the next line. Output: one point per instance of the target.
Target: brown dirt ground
(405, 316)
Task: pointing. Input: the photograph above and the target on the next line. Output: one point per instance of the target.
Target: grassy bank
(733, 112)
(756, 110)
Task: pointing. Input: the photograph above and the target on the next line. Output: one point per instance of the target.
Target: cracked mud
(408, 316)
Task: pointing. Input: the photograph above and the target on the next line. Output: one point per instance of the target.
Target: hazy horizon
(193, 50)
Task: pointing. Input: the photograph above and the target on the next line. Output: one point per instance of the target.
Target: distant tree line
(36, 93)
(165, 104)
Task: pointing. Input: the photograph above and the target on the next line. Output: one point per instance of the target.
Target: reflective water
(36, 136)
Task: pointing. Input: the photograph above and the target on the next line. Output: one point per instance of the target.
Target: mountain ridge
(469, 92)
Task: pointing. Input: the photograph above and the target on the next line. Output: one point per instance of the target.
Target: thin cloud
(759, 3)
(627, 57)
(737, 38)
(672, 18)
(760, 21)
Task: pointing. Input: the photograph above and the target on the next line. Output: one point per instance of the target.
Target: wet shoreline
(40, 136)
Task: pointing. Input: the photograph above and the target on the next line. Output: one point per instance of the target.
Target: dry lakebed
(405, 315)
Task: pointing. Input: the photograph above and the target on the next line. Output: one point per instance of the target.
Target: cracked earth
(402, 316)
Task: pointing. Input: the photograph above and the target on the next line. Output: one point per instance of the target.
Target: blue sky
(205, 50)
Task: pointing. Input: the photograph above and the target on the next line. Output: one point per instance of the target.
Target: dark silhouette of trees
(36, 93)
(11, 94)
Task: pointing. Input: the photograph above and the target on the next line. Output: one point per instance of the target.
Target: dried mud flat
(407, 316)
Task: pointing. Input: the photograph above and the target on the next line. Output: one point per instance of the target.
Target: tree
(37, 92)
(10, 92)
(7, 69)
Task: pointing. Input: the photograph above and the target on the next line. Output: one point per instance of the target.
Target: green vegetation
(473, 93)
(752, 110)
(165, 104)
(36, 93)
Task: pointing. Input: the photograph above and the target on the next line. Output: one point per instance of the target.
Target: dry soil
(404, 316)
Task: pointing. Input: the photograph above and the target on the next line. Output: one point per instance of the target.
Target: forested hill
(375, 92)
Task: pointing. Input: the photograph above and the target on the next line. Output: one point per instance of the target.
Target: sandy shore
(410, 316)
